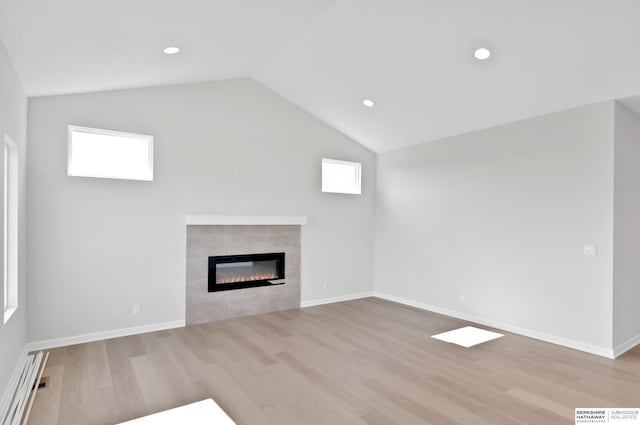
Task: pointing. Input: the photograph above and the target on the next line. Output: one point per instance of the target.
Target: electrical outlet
(324, 286)
(461, 298)
(136, 309)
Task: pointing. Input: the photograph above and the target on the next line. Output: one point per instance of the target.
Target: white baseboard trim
(349, 297)
(620, 349)
(554, 339)
(97, 336)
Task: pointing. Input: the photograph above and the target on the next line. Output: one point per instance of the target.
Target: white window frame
(75, 128)
(356, 188)
(10, 260)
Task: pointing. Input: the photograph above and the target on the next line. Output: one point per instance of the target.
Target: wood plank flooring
(363, 362)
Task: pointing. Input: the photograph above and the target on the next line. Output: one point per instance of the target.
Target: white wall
(500, 216)
(13, 116)
(626, 275)
(98, 246)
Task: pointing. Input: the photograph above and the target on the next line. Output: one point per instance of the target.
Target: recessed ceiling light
(171, 50)
(368, 103)
(482, 54)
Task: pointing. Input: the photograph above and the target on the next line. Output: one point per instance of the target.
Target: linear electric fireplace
(245, 271)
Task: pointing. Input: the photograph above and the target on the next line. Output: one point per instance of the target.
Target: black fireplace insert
(245, 271)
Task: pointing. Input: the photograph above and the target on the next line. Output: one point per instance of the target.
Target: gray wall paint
(626, 275)
(500, 216)
(13, 116)
(98, 246)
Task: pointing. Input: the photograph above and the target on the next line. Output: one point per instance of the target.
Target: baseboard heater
(21, 391)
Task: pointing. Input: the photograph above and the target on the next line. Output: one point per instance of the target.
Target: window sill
(8, 313)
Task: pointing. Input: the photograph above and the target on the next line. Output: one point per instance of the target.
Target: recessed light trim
(171, 50)
(368, 103)
(482, 54)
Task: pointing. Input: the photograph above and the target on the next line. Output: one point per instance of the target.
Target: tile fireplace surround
(204, 240)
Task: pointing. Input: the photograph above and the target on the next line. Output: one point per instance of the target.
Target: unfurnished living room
(320, 212)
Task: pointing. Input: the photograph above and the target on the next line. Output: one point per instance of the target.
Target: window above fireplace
(109, 154)
(341, 176)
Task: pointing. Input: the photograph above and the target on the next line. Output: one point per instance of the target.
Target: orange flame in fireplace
(255, 276)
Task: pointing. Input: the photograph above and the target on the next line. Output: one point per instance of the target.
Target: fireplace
(204, 241)
(245, 271)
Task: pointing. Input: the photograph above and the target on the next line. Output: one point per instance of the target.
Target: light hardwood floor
(359, 362)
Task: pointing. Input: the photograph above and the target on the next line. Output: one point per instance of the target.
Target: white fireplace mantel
(244, 220)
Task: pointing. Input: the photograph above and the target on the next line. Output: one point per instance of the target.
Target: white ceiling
(71, 46)
(413, 57)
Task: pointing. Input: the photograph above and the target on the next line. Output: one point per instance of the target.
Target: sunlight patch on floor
(467, 336)
(200, 413)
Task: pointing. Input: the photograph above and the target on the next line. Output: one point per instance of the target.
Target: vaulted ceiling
(414, 58)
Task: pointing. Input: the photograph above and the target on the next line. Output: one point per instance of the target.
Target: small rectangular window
(341, 176)
(109, 154)
(10, 263)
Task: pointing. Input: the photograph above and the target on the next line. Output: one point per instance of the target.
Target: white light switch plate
(589, 250)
